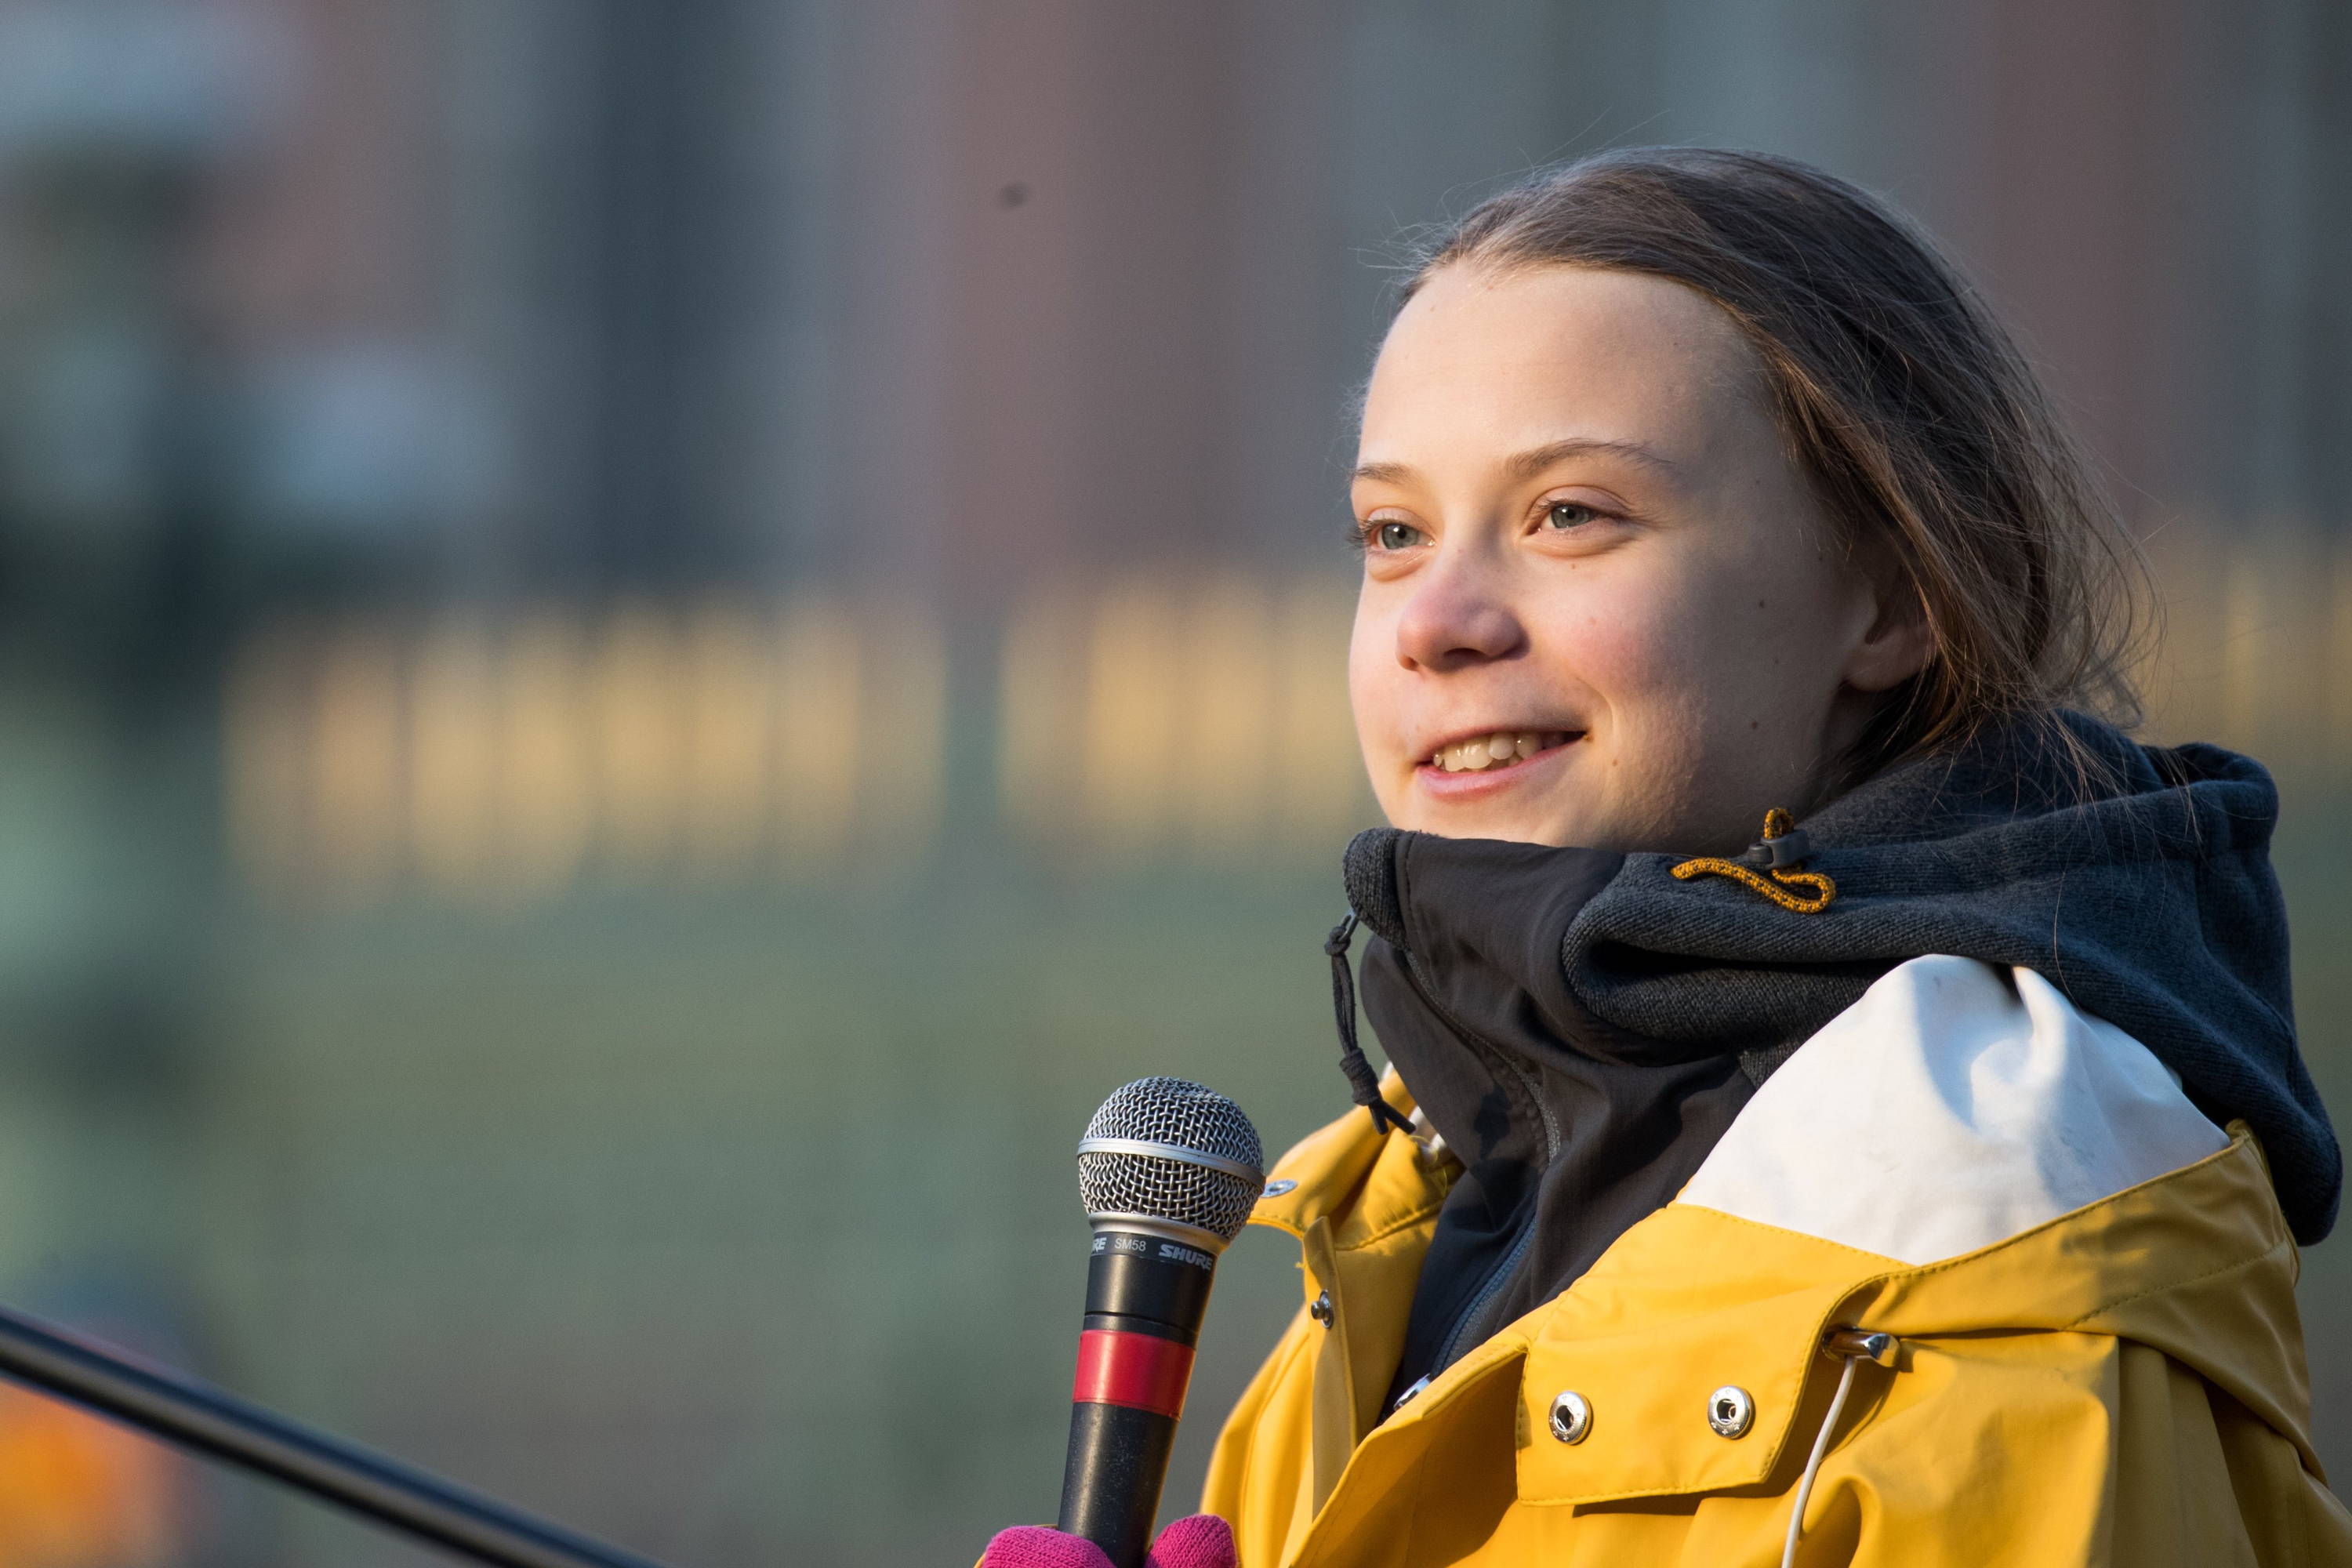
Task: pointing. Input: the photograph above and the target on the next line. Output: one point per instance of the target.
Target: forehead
(1483, 358)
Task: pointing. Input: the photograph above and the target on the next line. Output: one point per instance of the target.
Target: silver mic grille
(1167, 1150)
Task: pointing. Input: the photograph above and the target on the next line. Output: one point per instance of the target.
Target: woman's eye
(1397, 536)
(1567, 514)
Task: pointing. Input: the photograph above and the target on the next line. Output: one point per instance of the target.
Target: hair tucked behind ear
(1918, 423)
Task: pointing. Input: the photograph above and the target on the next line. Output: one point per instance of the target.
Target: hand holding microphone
(1198, 1541)
(1168, 1172)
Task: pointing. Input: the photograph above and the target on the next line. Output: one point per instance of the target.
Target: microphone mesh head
(1172, 1111)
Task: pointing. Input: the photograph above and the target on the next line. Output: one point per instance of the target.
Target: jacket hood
(1581, 1027)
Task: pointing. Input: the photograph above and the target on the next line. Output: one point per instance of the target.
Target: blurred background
(643, 646)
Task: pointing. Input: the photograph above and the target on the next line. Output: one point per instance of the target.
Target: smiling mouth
(1502, 749)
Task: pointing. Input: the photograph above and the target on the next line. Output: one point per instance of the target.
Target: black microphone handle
(1117, 1464)
(1145, 1298)
(189, 1415)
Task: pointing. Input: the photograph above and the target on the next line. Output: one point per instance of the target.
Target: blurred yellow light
(79, 1492)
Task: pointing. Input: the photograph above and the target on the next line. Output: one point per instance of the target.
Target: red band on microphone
(1137, 1370)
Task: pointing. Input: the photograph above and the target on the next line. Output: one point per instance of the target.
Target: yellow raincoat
(2124, 1385)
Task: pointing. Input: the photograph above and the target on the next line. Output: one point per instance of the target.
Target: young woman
(1855, 1113)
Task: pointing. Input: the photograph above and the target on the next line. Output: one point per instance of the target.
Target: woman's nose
(1455, 618)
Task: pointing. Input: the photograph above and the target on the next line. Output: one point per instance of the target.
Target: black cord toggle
(1362, 1086)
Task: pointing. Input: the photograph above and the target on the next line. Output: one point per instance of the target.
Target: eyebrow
(1527, 465)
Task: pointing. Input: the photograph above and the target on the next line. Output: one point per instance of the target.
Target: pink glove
(1203, 1540)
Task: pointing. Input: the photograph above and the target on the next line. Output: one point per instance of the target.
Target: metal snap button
(1730, 1411)
(1571, 1416)
(1319, 1308)
(1279, 1186)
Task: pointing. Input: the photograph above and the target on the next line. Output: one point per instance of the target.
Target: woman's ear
(1899, 641)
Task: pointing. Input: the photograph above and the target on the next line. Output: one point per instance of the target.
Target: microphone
(1168, 1172)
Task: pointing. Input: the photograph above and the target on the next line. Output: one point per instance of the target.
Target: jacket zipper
(1499, 1277)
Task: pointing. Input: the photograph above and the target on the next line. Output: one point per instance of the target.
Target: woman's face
(1600, 606)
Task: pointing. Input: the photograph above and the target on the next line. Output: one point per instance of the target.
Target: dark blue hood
(2151, 904)
(1581, 1027)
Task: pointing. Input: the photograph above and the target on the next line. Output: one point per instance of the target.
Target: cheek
(1630, 645)
(1707, 670)
(1678, 664)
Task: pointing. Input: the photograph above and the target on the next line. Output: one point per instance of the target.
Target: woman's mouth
(1479, 766)
(1496, 751)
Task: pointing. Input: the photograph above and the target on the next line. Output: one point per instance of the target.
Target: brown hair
(1908, 404)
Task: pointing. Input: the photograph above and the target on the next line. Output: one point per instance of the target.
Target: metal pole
(183, 1411)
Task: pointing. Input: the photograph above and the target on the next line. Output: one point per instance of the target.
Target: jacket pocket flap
(1700, 1403)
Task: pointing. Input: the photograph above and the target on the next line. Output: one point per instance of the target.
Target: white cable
(1821, 1446)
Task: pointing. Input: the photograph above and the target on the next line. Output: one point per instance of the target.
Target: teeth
(1494, 751)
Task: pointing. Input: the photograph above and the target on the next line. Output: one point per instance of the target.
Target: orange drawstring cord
(1785, 874)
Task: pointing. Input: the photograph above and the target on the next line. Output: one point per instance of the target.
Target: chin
(1505, 826)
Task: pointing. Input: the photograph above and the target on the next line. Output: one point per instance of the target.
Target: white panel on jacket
(1953, 1106)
